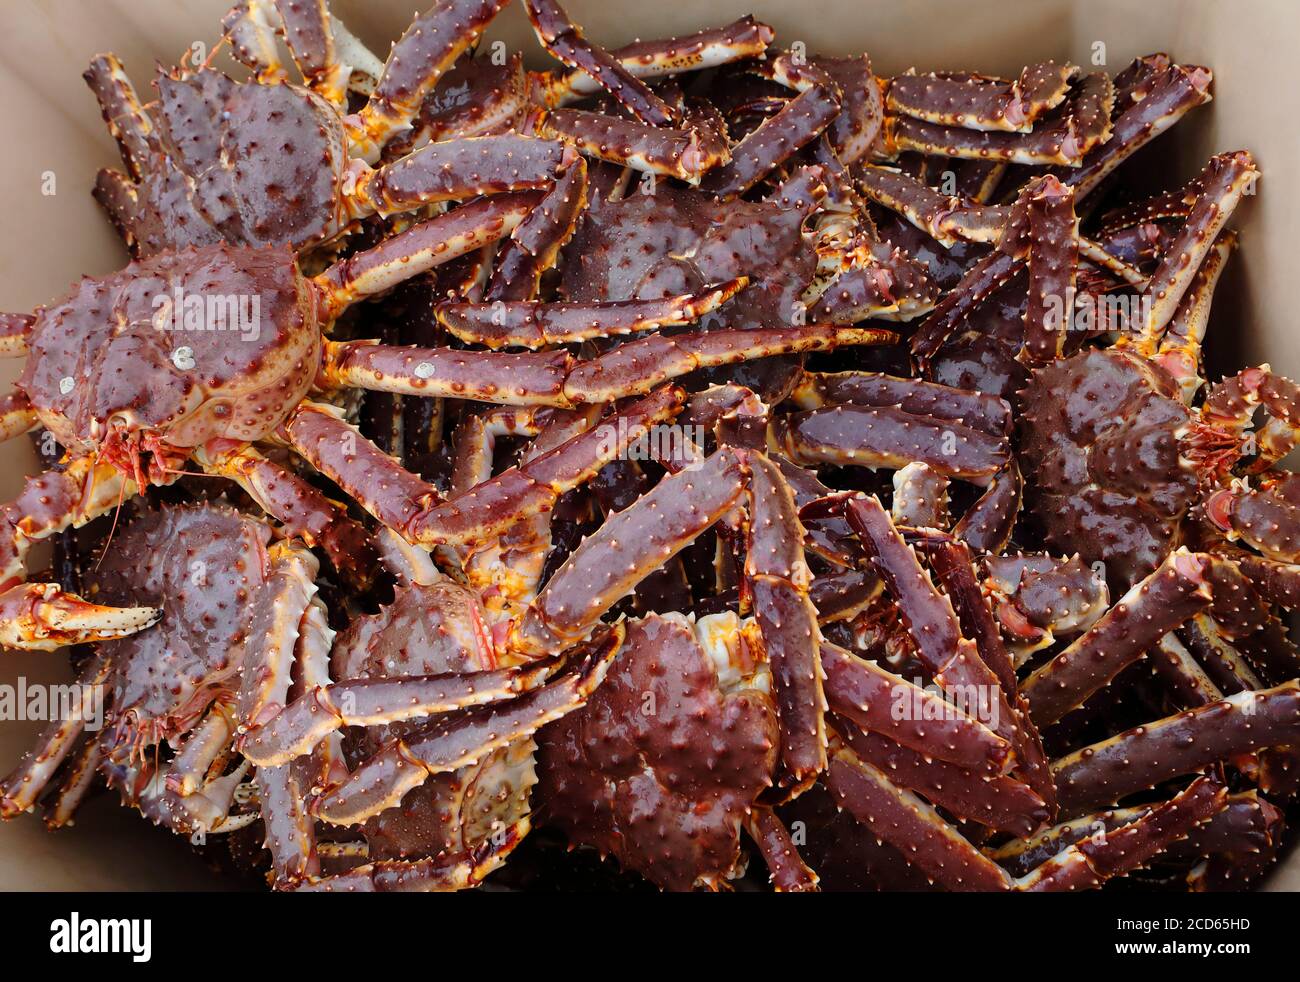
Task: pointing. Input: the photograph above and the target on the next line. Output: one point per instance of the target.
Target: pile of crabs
(714, 458)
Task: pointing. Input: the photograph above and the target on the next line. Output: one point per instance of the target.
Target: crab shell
(261, 165)
(119, 354)
(1102, 433)
(203, 565)
(429, 630)
(661, 766)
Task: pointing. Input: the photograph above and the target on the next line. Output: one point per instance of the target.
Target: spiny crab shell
(432, 629)
(1102, 441)
(119, 365)
(244, 162)
(662, 765)
(203, 565)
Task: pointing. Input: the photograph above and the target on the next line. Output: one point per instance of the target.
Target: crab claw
(41, 617)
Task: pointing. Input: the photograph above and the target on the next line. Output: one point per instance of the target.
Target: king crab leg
(1164, 600)
(461, 738)
(998, 801)
(305, 512)
(777, 138)
(979, 102)
(953, 564)
(1224, 180)
(910, 824)
(686, 153)
(866, 694)
(28, 780)
(1082, 125)
(787, 870)
(428, 48)
(534, 324)
(555, 379)
(1169, 96)
(565, 41)
(414, 509)
(1101, 774)
(710, 48)
(535, 244)
(1088, 863)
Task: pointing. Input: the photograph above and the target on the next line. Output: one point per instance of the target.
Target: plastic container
(55, 131)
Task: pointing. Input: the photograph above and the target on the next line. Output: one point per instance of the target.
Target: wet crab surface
(689, 465)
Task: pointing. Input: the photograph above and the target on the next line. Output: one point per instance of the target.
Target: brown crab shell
(263, 163)
(203, 565)
(661, 766)
(1102, 444)
(120, 351)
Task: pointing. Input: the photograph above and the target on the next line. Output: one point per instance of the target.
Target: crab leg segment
(1089, 863)
(273, 635)
(711, 48)
(978, 410)
(414, 509)
(881, 702)
(641, 365)
(910, 825)
(1165, 100)
(370, 702)
(460, 169)
(997, 801)
(869, 436)
(686, 153)
(1164, 600)
(984, 278)
(946, 218)
(1066, 139)
(127, 121)
(303, 510)
(16, 416)
(989, 522)
(529, 378)
(290, 831)
(1101, 774)
(533, 324)
(952, 660)
(462, 738)
(565, 41)
(779, 137)
(777, 575)
(82, 773)
(535, 244)
(24, 785)
(554, 379)
(1053, 257)
(424, 875)
(786, 869)
(978, 102)
(920, 497)
(626, 548)
(953, 564)
(1224, 180)
(421, 248)
(425, 51)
